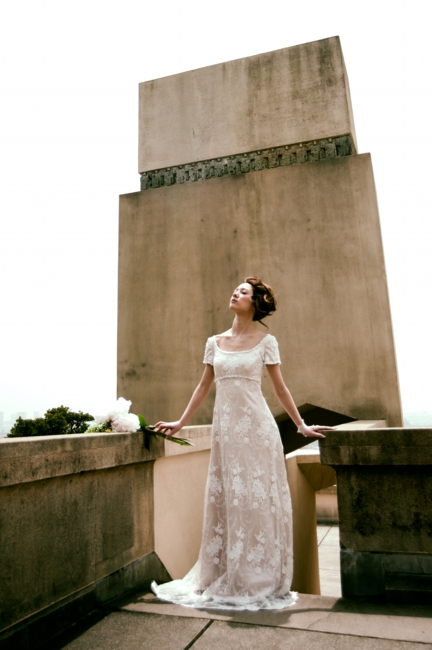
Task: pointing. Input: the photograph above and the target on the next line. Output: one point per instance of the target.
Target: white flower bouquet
(119, 420)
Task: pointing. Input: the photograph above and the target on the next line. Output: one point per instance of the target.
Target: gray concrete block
(385, 508)
(311, 231)
(277, 98)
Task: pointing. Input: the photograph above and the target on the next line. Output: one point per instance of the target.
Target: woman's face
(241, 299)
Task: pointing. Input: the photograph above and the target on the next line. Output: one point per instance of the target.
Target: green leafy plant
(56, 422)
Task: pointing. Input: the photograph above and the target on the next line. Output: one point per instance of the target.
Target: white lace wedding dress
(245, 561)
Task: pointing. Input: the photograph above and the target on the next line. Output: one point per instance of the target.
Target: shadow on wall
(292, 440)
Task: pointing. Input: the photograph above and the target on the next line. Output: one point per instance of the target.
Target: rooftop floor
(141, 622)
(328, 555)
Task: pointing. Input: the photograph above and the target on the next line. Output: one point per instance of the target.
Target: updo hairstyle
(263, 299)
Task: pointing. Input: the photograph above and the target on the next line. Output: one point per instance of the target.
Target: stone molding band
(281, 156)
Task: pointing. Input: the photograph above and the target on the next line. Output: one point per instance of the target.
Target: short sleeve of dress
(271, 351)
(209, 351)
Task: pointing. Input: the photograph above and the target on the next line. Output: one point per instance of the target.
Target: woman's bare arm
(199, 395)
(286, 400)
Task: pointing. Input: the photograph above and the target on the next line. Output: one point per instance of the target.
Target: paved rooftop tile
(224, 636)
(130, 631)
(318, 613)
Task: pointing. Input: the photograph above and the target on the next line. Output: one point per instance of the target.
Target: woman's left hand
(314, 431)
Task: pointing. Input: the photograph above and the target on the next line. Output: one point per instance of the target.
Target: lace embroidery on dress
(245, 560)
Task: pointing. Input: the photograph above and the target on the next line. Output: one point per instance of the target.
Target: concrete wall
(86, 518)
(291, 95)
(312, 231)
(179, 510)
(384, 485)
(73, 510)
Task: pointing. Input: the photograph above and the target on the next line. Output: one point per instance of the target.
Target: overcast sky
(69, 102)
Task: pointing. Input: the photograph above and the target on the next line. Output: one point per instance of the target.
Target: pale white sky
(69, 101)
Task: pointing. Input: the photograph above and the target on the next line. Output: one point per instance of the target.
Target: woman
(245, 561)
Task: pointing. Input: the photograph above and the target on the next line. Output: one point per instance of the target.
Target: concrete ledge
(36, 630)
(25, 460)
(395, 446)
(73, 510)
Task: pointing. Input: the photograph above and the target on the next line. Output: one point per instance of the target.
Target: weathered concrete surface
(221, 636)
(120, 630)
(343, 621)
(36, 630)
(312, 231)
(287, 96)
(326, 499)
(76, 510)
(377, 447)
(384, 484)
(44, 457)
(65, 533)
(145, 631)
(50, 456)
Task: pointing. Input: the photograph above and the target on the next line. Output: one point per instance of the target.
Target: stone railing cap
(23, 460)
(390, 446)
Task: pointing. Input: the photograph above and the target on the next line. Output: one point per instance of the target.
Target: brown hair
(263, 299)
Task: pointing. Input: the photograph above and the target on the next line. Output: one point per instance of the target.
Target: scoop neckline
(239, 351)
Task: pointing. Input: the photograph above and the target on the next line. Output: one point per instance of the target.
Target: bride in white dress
(245, 560)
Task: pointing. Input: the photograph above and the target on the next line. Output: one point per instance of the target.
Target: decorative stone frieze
(282, 156)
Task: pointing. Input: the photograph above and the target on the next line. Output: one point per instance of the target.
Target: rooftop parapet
(384, 485)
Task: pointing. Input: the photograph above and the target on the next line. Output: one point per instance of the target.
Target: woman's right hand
(169, 428)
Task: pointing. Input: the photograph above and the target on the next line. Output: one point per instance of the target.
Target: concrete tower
(251, 168)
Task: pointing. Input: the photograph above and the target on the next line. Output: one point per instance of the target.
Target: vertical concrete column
(306, 475)
(306, 569)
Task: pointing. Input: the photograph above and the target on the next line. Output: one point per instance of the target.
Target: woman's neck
(242, 325)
